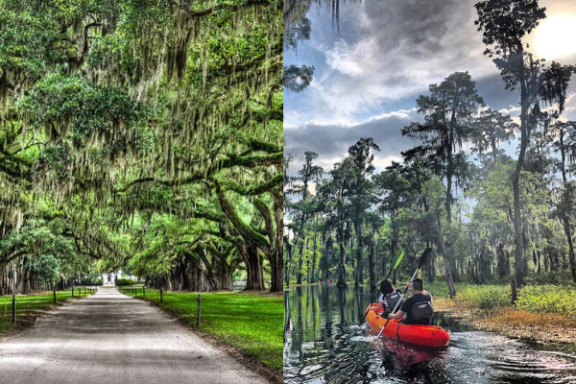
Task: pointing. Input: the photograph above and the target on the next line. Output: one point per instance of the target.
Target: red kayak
(426, 335)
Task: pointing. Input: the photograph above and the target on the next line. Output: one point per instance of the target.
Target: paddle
(421, 263)
(399, 257)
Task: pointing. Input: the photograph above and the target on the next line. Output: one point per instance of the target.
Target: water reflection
(323, 344)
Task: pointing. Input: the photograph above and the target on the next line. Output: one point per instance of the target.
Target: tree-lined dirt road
(112, 338)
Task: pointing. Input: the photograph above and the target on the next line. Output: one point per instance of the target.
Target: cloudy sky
(387, 52)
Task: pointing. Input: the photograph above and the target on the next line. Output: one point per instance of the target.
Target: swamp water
(323, 344)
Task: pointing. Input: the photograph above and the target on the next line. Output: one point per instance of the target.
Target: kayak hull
(426, 335)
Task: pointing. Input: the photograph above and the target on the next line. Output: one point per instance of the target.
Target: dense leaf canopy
(146, 135)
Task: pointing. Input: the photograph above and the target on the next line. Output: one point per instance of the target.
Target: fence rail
(157, 295)
(17, 306)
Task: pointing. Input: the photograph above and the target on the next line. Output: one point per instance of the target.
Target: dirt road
(111, 338)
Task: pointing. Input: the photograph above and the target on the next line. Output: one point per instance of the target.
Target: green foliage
(476, 296)
(62, 103)
(93, 281)
(485, 296)
(47, 268)
(119, 118)
(547, 298)
(125, 282)
(549, 278)
(558, 299)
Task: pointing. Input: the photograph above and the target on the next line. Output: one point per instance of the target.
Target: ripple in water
(323, 344)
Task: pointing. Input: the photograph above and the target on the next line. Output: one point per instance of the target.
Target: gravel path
(112, 338)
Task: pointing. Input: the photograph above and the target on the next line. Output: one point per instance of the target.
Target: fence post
(72, 289)
(13, 308)
(143, 291)
(198, 314)
(160, 295)
(54, 295)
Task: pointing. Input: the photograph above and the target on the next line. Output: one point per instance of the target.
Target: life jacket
(422, 310)
(392, 299)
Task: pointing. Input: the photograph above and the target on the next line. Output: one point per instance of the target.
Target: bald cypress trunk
(359, 269)
(442, 250)
(371, 264)
(342, 262)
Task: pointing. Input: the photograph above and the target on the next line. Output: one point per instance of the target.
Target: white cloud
(387, 52)
(353, 60)
(331, 140)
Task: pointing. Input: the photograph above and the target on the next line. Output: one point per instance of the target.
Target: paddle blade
(424, 258)
(399, 257)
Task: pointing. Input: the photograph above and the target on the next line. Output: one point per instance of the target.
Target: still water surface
(323, 344)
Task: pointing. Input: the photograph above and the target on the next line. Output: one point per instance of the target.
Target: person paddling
(418, 308)
(388, 299)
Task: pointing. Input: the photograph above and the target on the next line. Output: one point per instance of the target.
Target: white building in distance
(109, 279)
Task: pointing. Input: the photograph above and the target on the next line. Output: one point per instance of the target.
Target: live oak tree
(122, 117)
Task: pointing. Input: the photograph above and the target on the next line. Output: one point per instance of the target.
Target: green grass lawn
(28, 305)
(253, 323)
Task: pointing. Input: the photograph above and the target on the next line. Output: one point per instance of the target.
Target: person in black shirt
(418, 309)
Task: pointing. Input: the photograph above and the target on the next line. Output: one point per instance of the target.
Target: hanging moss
(134, 111)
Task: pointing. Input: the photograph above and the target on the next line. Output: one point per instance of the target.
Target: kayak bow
(426, 335)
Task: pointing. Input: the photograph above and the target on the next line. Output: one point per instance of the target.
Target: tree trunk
(276, 271)
(276, 236)
(566, 210)
(314, 250)
(330, 255)
(519, 258)
(453, 267)
(449, 188)
(524, 142)
(551, 258)
(288, 262)
(503, 267)
(359, 269)
(253, 262)
(571, 257)
(342, 262)
(442, 249)
(300, 260)
(430, 268)
(371, 265)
